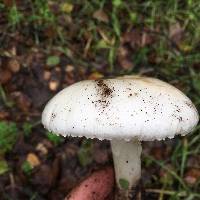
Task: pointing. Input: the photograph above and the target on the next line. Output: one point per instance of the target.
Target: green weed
(14, 16)
(26, 167)
(55, 139)
(84, 153)
(8, 136)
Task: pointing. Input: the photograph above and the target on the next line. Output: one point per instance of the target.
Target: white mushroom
(124, 110)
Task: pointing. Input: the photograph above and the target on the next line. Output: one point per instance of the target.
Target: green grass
(26, 168)
(55, 139)
(173, 184)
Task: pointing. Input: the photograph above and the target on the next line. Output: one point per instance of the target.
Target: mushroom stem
(127, 163)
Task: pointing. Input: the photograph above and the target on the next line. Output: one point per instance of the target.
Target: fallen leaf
(69, 68)
(5, 76)
(137, 38)
(42, 149)
(123, 58)
(53, 85)
(192, 176)
(95, 76)
(125, 63)
(23, 101)
(100, 15)
(33, 160)
(47, 75)
(13, 65)
(4, 115)
(176, 32)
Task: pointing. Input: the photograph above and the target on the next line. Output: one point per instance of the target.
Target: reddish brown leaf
(5, 76)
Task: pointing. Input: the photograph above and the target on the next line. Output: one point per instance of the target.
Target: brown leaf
(23, 101)
(192, 176)
(100, 15)
(125, 63)
(176, 32)
(69, 68)
(13, 65)
(47, 75)
(4, 115)
(33, 160)
(53, 85)
(42, 149)
(95, 76)
(137, 38)
(123, 58)
(5, 76)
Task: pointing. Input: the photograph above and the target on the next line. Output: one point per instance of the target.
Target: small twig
(87, 47)
(12, 180)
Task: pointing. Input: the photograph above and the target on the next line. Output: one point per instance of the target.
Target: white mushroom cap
(127, 108)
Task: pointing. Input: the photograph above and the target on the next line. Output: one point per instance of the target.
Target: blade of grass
(184, 156)
(173, 173)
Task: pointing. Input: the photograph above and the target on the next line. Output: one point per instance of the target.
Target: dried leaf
(100, 15)
(137, 38)
(5, 76)
(13, 65)
(53, 85)
(95, 76)
(42, 149)
(176, 32)
(23, 101)
(33, 160)
(192, 176)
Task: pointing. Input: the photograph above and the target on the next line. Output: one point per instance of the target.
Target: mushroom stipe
(125, 110)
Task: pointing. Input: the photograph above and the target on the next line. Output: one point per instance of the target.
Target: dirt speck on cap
(104, 89)
(104, 93)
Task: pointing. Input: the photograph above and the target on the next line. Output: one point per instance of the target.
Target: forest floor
(48, 45)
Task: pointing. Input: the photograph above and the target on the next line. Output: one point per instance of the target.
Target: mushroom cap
(128, 108)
